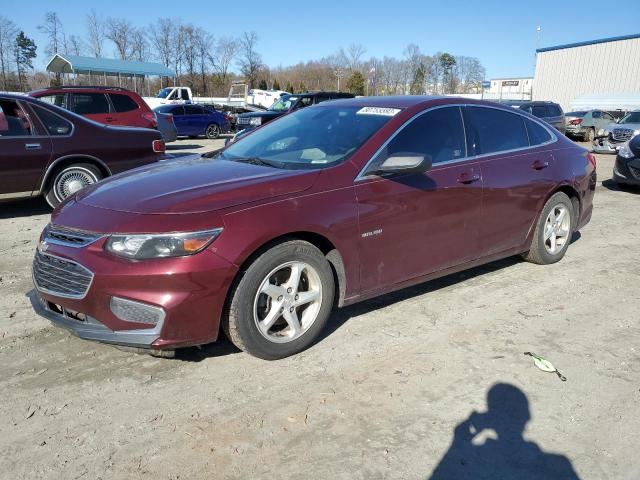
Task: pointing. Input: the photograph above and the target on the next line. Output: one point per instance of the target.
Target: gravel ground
(379, 396)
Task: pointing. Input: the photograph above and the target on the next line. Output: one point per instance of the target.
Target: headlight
(255, 121)
(606, 132)
(624, 151)
(144, 246)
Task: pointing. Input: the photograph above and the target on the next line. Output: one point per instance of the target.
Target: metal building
(606, 66)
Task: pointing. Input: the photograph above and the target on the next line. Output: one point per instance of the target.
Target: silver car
(617, 133)
(587, 124)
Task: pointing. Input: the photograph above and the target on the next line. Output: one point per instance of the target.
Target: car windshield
(310, 138)
(164, 93)
(575, 114)
(633, 117)
(283, 105)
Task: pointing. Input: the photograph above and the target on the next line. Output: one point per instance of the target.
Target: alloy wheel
(557, 229)
(288, 302)
(213, 131)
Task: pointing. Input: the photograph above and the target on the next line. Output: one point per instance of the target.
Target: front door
(415, 224)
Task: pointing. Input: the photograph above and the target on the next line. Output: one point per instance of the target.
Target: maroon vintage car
(47, 150)
(330, 205)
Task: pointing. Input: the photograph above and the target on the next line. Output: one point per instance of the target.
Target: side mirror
(404, 163)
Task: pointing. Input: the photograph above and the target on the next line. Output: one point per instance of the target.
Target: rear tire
(553, 232)
(213, 131)
(272, 312)
(70, 179)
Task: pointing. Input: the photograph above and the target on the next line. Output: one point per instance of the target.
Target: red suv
(108, 105)
(329, 205)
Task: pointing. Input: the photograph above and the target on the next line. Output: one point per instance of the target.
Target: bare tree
(74, 45)
(353, 56)
(225, 53)
(203, 47)
(139, 45)
(161, 37)
(120, 31)
(250, 61)
(52, 28)
(95, 33)
(8, 33)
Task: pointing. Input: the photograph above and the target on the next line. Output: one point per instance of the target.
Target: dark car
(195, 120)
(627, 167)
(286, 104)
(47, 150)
(548, 111)
(108, 105)
(587, 124)
(329, 205)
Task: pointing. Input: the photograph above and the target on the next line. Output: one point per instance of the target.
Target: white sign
(387, 112)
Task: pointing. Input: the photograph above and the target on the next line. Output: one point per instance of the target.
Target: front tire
(69, 180)
(281, 302)
(553, 231)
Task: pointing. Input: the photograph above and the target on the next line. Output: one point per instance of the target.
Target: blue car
(195, 120)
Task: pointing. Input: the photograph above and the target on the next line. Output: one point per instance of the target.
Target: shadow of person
(507, 456)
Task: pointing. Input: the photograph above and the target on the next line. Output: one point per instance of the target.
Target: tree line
(209, 65)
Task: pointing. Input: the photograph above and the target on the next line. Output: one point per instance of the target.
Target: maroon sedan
(328, 206)
(46, 150)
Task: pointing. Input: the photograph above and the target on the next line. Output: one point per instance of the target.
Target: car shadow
(219, 348)
(341, 316)
(490, 445)
(619, 187)
(24, 208)
(182, 146)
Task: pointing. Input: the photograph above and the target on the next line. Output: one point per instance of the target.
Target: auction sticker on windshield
(387, 112)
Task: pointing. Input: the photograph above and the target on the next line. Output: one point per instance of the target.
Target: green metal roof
(75, 64)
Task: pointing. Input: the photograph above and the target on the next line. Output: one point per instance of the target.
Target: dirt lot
(378, 397)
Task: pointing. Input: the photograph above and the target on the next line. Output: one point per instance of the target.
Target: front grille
(69, 237)
(60, 277)
(622, 134)
(635, 172)
(243, 121)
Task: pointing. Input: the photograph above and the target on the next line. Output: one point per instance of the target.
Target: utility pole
(339, 73)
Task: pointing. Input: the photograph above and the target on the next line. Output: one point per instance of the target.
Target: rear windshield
(576, 114)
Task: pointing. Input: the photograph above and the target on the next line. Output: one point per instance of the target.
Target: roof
(607, 101)
(589, 42)
(110, 66)
(392, 101)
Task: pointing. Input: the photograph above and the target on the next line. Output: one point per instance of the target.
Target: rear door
(94, 106)
(197, 119)
(415, 224)
(180, 119)
(125, 111)
(25, 151)
(517, 171)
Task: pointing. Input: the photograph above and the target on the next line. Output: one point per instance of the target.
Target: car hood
(193, 185)
(629, 126)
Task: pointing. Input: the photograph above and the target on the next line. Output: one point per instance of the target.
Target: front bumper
(190, 291)
(605, 145)
(627, 171)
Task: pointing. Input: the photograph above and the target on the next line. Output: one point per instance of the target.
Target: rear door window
(90, 103)
(537, 133)
(490, 130)
(57, 99)
(177, 111)
(123, 103)
(13, 121)
(193, 110)
(55, 124)
(438, 134)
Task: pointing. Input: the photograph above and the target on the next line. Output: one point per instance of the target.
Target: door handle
(538, 165)
(467, 178)
(33, 146)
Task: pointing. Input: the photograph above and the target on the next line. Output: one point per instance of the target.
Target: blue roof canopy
(109, 66)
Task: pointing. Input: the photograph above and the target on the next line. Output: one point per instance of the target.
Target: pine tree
(302, 87)
(263, 85)
(355, 83)
(276, 85)
(25, 52)
(290, 88)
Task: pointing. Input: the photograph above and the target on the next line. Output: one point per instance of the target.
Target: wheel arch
(66, 160)
(321, 242)
(573, 195)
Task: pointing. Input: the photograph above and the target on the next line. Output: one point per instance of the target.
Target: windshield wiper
(257, 161)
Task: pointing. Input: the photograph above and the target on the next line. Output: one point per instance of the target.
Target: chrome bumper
(605, 146)
(92, 329)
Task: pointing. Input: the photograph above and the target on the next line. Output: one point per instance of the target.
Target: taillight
(576, 121)
(151, 117)
(592, 158)
(158, 146)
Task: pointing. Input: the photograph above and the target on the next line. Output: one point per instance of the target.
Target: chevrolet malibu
(328, 206)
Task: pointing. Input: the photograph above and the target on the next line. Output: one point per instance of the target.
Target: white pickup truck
(239, 97)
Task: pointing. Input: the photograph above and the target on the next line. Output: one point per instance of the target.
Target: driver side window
(438, 134)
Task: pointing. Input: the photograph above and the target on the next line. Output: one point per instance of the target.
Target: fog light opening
(135, 312)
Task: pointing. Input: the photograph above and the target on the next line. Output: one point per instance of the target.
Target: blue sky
(501, 34)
